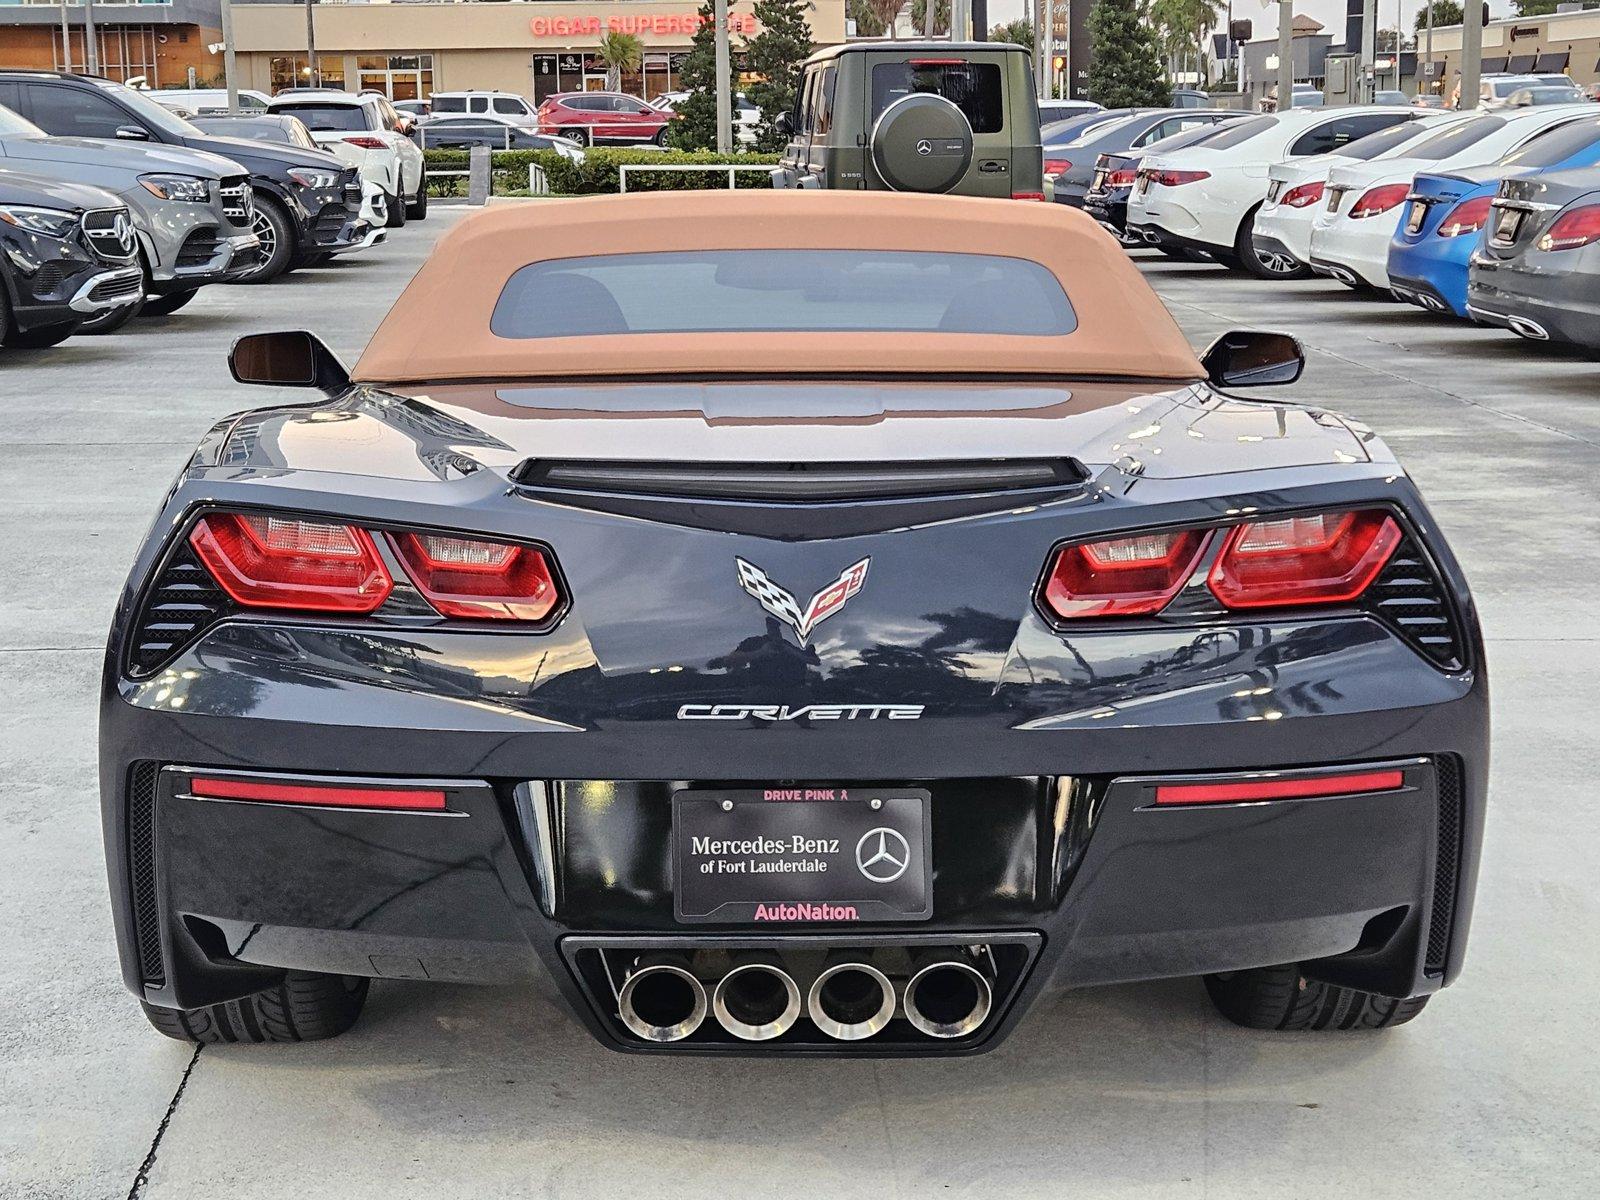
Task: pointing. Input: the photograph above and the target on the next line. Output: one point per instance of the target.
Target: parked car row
(113, 205)
(1489, 216)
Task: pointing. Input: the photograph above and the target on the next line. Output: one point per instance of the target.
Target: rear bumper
(1154, 235)
(1363, 255)
(1559, 306)
(1432, 273)
(1284, 230)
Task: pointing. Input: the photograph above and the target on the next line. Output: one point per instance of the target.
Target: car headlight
(311, 177)
(177, 187)
(54, 222)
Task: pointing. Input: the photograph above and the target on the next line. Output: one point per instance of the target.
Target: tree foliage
(1534, 8)
(777, 54)
(886, 11)
(868, 23)
(1182, 27)
(1018, 32)
(941, 16)
(696, 125)
(1125, 64)
(622, 53)
(1445, 12)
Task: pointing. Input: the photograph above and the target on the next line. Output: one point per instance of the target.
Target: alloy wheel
(267, 232)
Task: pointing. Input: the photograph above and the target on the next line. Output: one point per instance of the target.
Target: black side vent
(1409, 597)
(802, 482)
(182, 602)
(1447, 864)
(142, 778)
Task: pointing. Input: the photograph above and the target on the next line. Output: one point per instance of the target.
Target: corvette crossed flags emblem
(783, 605)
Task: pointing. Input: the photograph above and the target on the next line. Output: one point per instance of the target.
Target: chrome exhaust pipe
(661, 1000)
(948, 997)
(850, 1000)
(1529, 329)
(757, 1000)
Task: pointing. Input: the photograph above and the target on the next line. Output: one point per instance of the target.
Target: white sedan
(1363, 201)
(1295, 186)
(366, 132)
(1206, 197)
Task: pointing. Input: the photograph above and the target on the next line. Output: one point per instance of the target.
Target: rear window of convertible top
(782, 291)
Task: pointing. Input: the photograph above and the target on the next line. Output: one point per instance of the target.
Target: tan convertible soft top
(439, 327)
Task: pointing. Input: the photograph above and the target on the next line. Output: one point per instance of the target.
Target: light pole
(313, 68)
(1430, 36)
(1369, 49)
(91, 40)
(228, 76)
(724, 115)
(1285, 55)
(1047, 81)
(1471, 53)
(66, 40)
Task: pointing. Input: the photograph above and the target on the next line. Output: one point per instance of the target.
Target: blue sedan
(1445, 215)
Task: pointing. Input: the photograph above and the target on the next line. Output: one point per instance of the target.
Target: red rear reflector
(1178, 178)
(325, 794)
(481, 580)
(368, 143)
(1124, 576)
(1572, 229)
(1375, 201)
(1322, 558)
(1278, 789)
(1467, 217)
(284, 562)
(1027, 195)
(1303, 196)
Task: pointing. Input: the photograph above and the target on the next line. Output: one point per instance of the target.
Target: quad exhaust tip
(757, 1000)
(850, 1001)
(1528, 329)
(662, 1001)
(948, 998)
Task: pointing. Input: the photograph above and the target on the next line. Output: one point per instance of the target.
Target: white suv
(365, 131)
(1205, 196)
(507, 105)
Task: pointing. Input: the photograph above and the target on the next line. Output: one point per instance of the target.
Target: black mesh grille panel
(1409, 597)
(199, 248)
(183, 601)
(1447, 865)
(142, 869)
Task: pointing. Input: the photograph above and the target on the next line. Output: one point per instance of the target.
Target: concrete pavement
(1130, 1091)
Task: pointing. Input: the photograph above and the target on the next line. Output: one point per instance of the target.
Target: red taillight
(1125, 576)
(1122, 177)
(1572, 229)
(1375, 201)
(1322, 558)
(285, 562)
(1303, 196)
(1279, 789)
(368, 143)
(480, 580)
(1178, 178)
(327, 795)
(1056, 166)
(1027, 195)
(1467, 217)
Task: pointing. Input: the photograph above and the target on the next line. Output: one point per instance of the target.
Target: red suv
(591, 117)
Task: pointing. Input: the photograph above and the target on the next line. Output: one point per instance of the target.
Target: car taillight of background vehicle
(467, 577)
(367, 143)
(1304, 195)
(1056, 166)
(1378, 200)
(1122, 177)
(282, 562)
(1467, 217)
(1321, 558)
(1027, 195)
(1580, 227)
(1178, 178)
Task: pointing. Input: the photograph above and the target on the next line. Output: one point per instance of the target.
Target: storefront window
(291, 71)
(556, 73)
(397, 76)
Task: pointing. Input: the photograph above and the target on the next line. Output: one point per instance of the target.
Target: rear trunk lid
(1525, 206)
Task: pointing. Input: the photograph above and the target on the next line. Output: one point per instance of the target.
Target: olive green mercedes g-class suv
(957, 117)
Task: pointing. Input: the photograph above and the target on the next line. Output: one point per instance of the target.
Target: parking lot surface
(1129, 1091)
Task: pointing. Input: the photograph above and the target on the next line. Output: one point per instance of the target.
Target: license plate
(1141, 183)
(1099, 184)
(1415, 217)
(802, 853)
(1273, 189)
(1507, 224)
(1334, 196)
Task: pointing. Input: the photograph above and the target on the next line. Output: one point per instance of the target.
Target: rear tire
(417, 210)
(40, 337)
(305, 1007)
(396, 206)
(1269, 266)
(1281, 998)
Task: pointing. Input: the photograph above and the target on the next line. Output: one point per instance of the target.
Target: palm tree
(622, 53)
(886, 11)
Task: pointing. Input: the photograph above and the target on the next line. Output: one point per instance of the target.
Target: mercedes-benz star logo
(122, 230)
(883, 854)
(924, 147)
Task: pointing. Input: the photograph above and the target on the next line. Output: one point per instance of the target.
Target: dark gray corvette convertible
(812, 623)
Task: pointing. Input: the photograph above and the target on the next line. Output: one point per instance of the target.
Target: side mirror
(784, 124)
(133, 133)
(1248, 358)
(290, 359)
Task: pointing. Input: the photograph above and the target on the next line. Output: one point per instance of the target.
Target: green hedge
(597, 174)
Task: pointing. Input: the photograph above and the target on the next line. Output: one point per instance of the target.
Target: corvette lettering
(805, 712)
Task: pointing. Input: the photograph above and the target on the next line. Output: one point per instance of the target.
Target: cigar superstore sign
(592, 25)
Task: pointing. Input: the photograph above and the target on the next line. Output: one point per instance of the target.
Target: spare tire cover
(922, 143)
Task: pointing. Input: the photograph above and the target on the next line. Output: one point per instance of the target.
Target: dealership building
(1562, 42)
(412, 49)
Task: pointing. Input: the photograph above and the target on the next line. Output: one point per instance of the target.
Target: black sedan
(1069, 165)
(898, 619)
(67, 252)
(1106, 198)
(1537, 271)
(459, 132)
